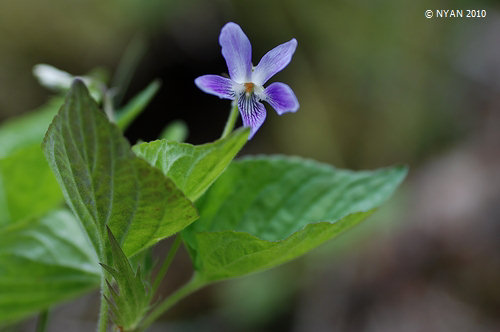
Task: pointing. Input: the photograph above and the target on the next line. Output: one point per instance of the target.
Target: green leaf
(129, 112)
(268, 210)
(193, 168)
(131, 303)
(104, 183)
(175, 131)
(27, 186)
(27, 130)
(44, 262)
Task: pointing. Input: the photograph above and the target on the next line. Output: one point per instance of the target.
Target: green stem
(193, 285)
(127, 66)
(166, 264)
(233, 115)
(103, 313)
(107, 102)
(43, 319)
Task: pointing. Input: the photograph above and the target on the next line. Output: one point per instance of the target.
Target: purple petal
(274, 61)
(281, 97)
(237, 51)
(216, 85)
(252, 112)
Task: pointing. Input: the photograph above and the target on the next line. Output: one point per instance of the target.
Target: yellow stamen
(249, 87)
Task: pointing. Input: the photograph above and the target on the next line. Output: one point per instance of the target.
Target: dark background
(378, 84)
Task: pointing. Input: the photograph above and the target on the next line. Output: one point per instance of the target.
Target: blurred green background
(378, 84)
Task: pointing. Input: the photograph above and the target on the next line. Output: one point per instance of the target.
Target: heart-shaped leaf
(193, 168)
(104, 183)
(43, 262)
(268, 210)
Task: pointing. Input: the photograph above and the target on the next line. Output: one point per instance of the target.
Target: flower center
(249, 87)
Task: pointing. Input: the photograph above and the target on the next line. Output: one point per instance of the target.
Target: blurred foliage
(377, 83)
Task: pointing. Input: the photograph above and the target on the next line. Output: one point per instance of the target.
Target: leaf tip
(402, 169)
(78, 83)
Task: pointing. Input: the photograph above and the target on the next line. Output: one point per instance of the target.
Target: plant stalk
(105, 293)
(107, 102)
(127, 66)
(43, 319)
(103, 313)
(193, 285)
(231, 120)
(166, 264)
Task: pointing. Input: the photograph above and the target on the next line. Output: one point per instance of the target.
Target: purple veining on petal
(237, 51)
(253, 113)
(246, 84)
(274, 61)
(216, 85)
(281, 97)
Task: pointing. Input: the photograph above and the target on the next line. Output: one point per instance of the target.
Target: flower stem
(166, 264)
(43, 319)
(193, 285)
(233, 115)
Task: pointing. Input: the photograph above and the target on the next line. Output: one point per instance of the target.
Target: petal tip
(295, 108)
(197, 81)
(282, 98)
(293, 43)
(230, 24)
(253, 131)
(229, 28)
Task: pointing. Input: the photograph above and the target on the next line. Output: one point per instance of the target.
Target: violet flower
(245, 86)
